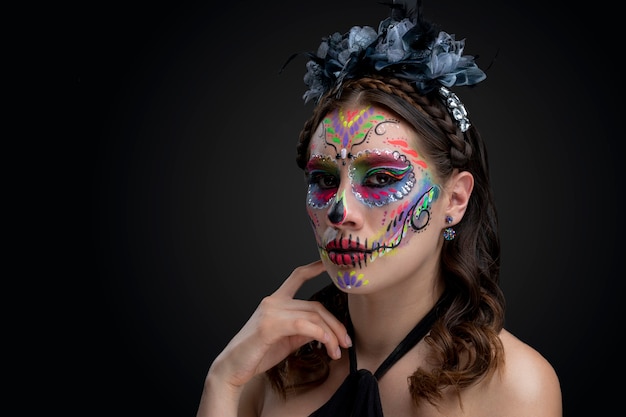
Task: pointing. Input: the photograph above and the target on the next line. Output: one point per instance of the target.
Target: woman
(403, 215)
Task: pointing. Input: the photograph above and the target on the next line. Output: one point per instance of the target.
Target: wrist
(219, 397)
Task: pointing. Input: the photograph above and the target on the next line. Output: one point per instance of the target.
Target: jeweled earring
(449, 233)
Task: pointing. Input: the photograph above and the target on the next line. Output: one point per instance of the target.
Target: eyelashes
(378, 187)
(323, 180)
(382, 177)
(374, 178)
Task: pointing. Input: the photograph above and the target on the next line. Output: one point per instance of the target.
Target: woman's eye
(324, 181)
(380, 179)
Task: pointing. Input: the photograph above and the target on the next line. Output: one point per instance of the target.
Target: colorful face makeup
(364, 165)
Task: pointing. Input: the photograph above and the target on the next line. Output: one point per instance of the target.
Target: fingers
(309, 319)
(298, 277)
(280, 325)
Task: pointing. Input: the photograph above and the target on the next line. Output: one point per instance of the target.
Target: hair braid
(461, 150)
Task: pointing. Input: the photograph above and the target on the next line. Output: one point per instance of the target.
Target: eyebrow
(373, 159)
(320, 162)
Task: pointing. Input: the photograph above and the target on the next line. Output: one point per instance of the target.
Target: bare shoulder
(527, 384)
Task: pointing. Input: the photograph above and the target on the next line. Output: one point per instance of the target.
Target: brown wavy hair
(464, 340)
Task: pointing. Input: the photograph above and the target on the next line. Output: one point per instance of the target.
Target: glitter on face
(365, 156)
(380, 177)
(322, 173)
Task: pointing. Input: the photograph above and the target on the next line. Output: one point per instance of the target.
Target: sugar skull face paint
(347, 128)
(369, 191)
(348, 250)
(380, 177)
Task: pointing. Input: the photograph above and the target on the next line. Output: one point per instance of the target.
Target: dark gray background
(197, 206)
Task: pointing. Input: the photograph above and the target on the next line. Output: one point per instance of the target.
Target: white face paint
(369, 194)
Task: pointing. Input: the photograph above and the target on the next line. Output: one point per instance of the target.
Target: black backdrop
(197, 206)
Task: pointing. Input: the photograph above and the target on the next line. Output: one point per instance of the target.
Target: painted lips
(346, 252)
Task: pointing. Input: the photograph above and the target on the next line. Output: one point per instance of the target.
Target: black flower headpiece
(405, 46)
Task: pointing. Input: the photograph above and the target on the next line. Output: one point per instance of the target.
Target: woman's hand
(279, 326)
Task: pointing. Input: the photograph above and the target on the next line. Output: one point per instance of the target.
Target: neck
(383, 319)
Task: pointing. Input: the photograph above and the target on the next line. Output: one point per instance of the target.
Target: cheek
(394, 213)
(401, 220)
(391, 224)
(314, 218)
(421, 213)
(318, 197)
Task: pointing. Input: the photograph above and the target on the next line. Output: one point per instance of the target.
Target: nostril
(337, 212)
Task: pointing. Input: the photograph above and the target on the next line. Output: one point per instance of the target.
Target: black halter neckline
(358, 395)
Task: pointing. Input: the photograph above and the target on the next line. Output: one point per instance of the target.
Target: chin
(348, 279)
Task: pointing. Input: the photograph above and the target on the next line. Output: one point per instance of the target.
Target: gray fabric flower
(402, 48)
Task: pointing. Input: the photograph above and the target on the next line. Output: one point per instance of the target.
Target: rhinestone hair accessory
(456, 108)
(405, 46)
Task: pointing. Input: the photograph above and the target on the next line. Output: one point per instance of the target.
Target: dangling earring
(449, 233)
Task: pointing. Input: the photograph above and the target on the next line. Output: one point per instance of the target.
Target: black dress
(358, 395)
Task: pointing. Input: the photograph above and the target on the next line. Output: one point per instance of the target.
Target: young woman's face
(370, 199)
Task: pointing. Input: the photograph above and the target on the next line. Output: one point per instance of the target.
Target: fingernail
(338, 353)
(348, 340)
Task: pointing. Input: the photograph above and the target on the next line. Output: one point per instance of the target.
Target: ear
(459, 189)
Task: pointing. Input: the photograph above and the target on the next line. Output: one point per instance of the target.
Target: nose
(345, 210)
(337, 210)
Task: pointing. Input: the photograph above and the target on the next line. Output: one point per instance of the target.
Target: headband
(405, 46)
